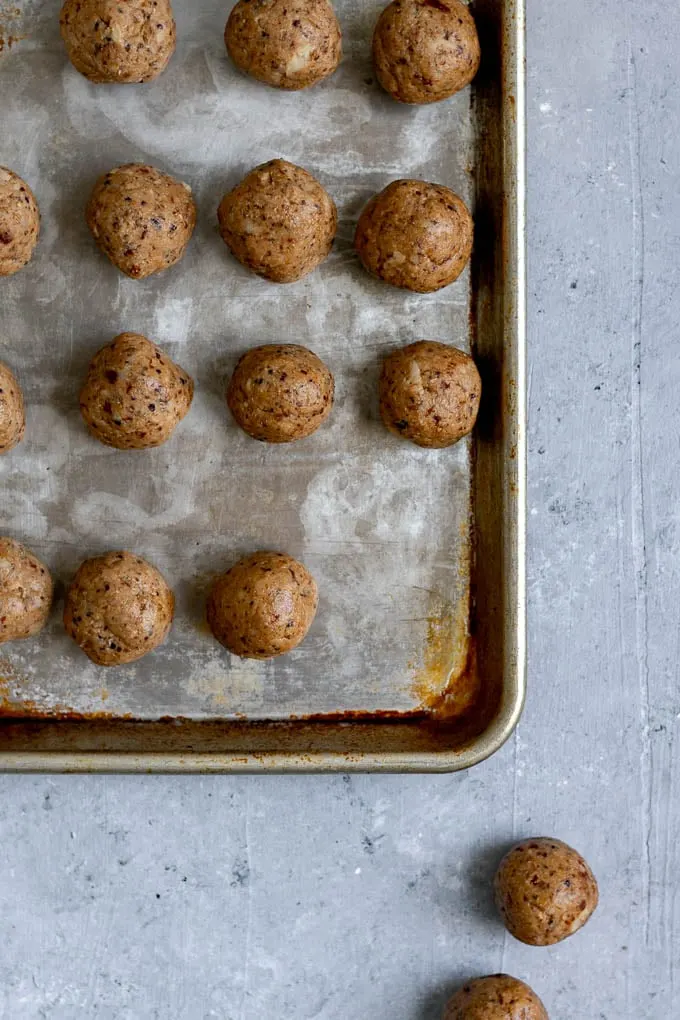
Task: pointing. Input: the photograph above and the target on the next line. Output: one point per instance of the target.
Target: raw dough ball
(141, 218)
(497, 997)
(25, 592)
(110, 41)
(425, 50)
(278, 221)
(429, 393)
(12, 417)
(545, 891)
(280, 392)
(415, 235)
(263, 606)
(19, 222)
(118, 608)
(134, 395)
(289, 44)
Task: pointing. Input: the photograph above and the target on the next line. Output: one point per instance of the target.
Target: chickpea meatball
(425, 50)
(25, 592)
(111, 42)
(12, 415)
(141, 219)
(429, 393)
(19, 222)
(415, 235)
(280, 393)
(290, 44)
(118, 608)
(497, 997)
(545, 891)
(134, 395)
(278, 221)
(263, 606)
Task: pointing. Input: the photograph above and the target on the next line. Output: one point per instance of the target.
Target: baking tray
(416, 659)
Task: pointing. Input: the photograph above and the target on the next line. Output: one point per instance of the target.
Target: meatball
(111, 42)
(134, 395)
(263, 606)
(278, 221)
(545, 891)
(289, 44)
(280, 392)
(25, 592)
(425, 50)
(141, 219)
(415, 235)
(429, 393)
(19, 222)
(12, 416)
(118, 608)
(497, 997)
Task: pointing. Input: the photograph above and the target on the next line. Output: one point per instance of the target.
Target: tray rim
(514, 684)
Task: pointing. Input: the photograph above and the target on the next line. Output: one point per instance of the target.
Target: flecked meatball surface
(497, 997)
(134, 395)
(429, 393)
(425, 50)
(289, 44)
(19, 222)
(545, 891)
(113, 42)
(280, 392)
(263, 606)
(25, 592)
(415, 235)
(141, 218)
(118, 608)
(278, 221)
(12, 415)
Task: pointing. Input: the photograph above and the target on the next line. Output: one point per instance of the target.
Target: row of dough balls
(134, 395)
(119, 607)
(279, 222)
(423, 50)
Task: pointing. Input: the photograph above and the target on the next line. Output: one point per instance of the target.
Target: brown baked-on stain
(12, 707)
(8, 38)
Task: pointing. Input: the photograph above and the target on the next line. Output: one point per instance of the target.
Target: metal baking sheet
(416, 658)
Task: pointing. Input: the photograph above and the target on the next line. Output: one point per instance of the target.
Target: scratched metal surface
(382, 525)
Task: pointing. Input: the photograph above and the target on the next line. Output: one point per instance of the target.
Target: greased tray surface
(415, 659)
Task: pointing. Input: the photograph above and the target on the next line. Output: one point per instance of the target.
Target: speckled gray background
(344, 899)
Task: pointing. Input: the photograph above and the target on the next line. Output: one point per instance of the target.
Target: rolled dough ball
(110, 41)
(118, 608)
(497, 997)
(141, 218)
(134, 395)
(415, 235)
(545, 891)
(280, 392)
(429, 393)
(12, 416)
(425, 50)
(25, 592)
(19, 222)
(278, 221)
(263, 606)
(289, 44)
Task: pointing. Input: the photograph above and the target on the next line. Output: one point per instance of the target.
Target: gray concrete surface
(343, 898)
